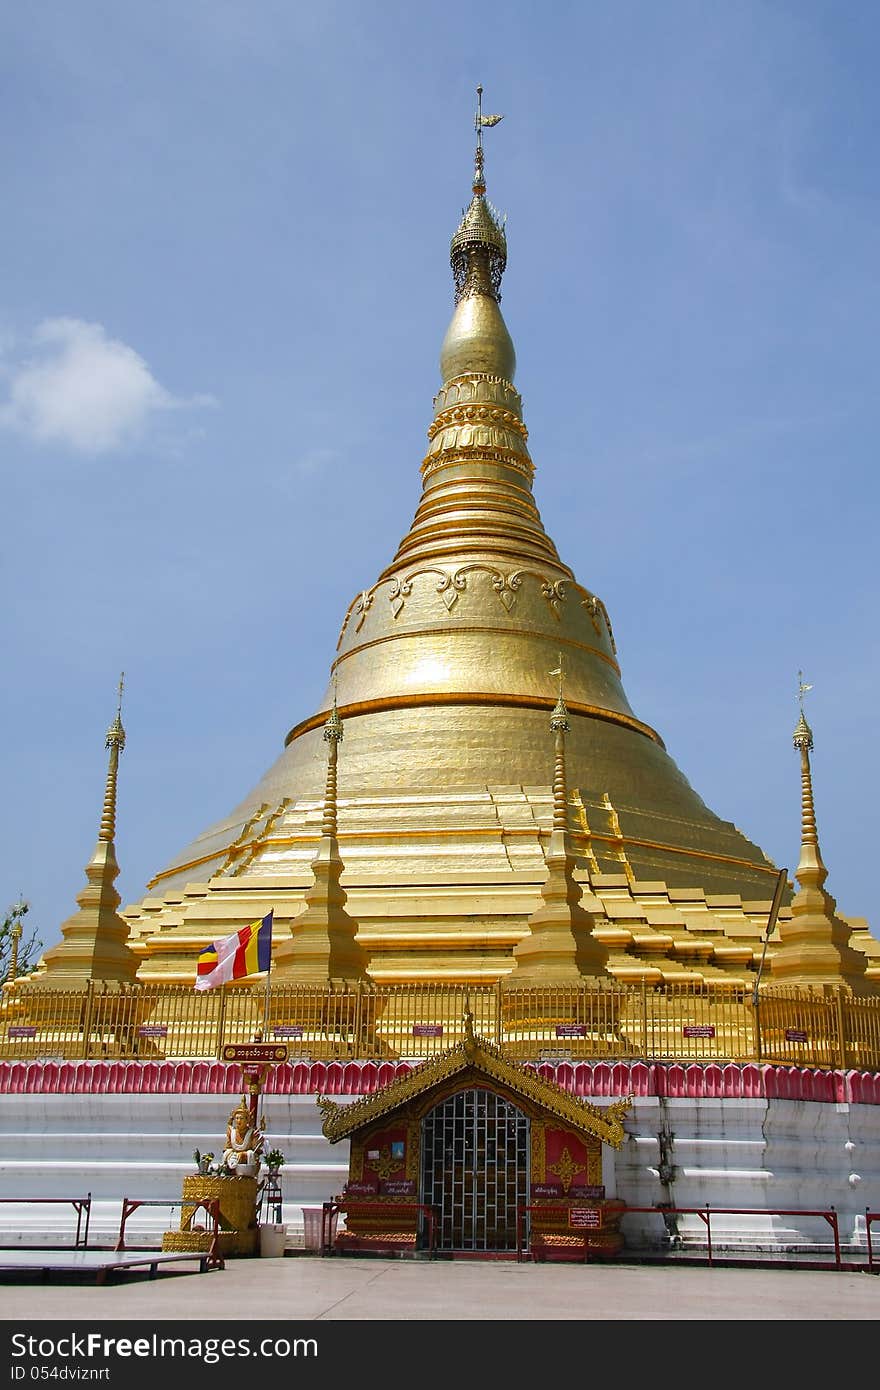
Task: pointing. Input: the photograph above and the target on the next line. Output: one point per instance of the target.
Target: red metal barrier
(329, 1209)
(870, 1218)
(211, 1205)
(706, 1213)
(81, 1205)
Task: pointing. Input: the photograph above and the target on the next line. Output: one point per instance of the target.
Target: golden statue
(243, 1145)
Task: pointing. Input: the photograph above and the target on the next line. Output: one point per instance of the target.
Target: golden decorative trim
(520, 463)
(196, 1241)
(238, 845)
(483, 413)
(450, 585)
(457, 383)
(565, 1169)
(539, 1150)
(413, 1149)
(458, 697)
(185, 867)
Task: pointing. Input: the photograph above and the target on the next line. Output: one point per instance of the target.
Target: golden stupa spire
(815, 947)
(94, 940)
(560, 944)
(115, 742)
(333, 738)
(323, 943)
(810, 866)
(559, 723)
(477, 474)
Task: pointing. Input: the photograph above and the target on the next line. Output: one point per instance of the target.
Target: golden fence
(810, 1027)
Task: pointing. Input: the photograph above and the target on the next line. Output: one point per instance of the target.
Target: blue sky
(225, 244)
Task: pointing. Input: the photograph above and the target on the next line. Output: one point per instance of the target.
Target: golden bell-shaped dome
(477, 340)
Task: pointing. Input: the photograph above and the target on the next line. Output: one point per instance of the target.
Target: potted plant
(274, 1161)
(202, 1161)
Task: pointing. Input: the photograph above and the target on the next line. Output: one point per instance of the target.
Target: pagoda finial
(560, 725)
(332, 736)
(803, 734)
(479, 122)
(560, 944)
(115, 741)
(478, 253)
(815, 943)
(811, 858)
(323, 944)
(94, 944)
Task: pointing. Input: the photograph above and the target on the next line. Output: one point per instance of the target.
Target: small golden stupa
(444, 821)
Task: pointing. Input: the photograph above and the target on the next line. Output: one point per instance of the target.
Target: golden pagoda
(94, 939)
(445, 821)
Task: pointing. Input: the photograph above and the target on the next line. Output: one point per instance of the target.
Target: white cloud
(82, 389)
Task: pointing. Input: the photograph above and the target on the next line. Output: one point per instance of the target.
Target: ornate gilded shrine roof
(475, 1057)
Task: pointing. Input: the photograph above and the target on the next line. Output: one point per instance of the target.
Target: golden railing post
(221, 1023)
(841, 1030)
(357, 1040)
(645, 1019)
(497, 1038)
(87, 1018)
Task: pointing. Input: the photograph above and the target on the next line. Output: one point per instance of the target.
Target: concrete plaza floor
(338, 1288)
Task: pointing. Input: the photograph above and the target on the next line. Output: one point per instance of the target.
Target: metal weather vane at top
(802, 690)
(480, 120)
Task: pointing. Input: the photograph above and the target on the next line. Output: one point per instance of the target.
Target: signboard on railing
(22, 1030)
(288, 1030)
(255, 1052)
(795, 1035)
(699, 1030)
(427, 1030)
(153, 1030)
(362, 1189)
(585, 1218)
(571, 1030)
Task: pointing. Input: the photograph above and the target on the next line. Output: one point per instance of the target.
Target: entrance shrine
(473, 1154)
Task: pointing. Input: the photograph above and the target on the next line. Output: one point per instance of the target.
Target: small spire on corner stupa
(803, 734)
(559, 718)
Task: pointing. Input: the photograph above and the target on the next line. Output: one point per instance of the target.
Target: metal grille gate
(475, 1170)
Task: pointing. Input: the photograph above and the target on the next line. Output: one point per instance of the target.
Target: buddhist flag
(490, 120)
(246, 952)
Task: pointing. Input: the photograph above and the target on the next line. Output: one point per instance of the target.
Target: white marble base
(768, 1155)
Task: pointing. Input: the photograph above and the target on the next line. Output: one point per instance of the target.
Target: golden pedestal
(239, 1230)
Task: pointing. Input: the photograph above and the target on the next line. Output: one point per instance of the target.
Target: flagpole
(268, 978)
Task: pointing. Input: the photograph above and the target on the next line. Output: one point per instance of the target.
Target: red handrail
(80, 1205)
(328, 1209)
(537, 1206)
(211, 1205)
(706, 1213)
(870, 1218)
